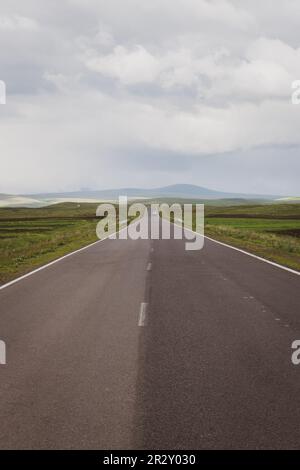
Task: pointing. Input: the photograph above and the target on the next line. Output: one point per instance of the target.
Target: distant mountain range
(181, 191)
(175, 190)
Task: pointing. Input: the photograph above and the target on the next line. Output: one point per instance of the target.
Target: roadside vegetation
(270, 230)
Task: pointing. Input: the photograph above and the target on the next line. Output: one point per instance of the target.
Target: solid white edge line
(142, 315)
(14, 281)
(245, 252)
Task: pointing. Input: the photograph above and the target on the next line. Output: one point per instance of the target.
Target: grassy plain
(268, 230)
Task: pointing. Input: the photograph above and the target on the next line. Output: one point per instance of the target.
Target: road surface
(141, 344)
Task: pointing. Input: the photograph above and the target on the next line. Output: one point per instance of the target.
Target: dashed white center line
(149, 267)
(143, 314)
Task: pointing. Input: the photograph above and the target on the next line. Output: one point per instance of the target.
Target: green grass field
(271, 231)
(273, 211)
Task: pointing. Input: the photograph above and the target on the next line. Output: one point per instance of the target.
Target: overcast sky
(143, 93)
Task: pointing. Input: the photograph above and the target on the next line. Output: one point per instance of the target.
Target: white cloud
(129, 66)
(266, 70)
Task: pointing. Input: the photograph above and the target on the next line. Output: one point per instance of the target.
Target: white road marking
(152, 249)
(2, 352)
(143, 314)
(149, 267)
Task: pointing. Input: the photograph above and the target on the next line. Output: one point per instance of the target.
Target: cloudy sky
(143, 93)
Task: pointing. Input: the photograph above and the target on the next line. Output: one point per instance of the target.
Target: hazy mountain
(176, 190)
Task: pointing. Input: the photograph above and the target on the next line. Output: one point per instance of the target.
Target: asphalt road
(141, 344)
